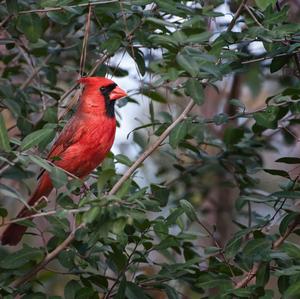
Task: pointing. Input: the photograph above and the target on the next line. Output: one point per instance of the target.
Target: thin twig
(253, 16)
(217, 244)
(4, 21)
(85, 42)
(93, 70)
(45, 10)
(43, 214)
(252, 273)
(236, 16)
(53, 254)
(35, 72)
(122, 272)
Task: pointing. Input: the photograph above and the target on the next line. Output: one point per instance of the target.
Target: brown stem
(53, 254)
(236, 15)
(85, 42)
(252, 273)
(49, 257)
(151, 149)
(253, 16)
(45, 10)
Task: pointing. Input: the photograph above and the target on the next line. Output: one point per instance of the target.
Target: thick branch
(52, 255)
(151, 149)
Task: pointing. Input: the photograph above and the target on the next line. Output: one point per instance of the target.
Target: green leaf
(155, 96)
(278, 62)
(58, 177)
(12, 6)
(233, 136)
(286, 194)
(86, 293)
(233, 246)
(293, 290)
(133, 291)
(121, 290)
(263, 4)
(198, 38)
(290, 271)
(188, 209)
(161, 229)
(278, 172)
(60, 17)
(171, 292)
(8, 191)
(258, 249)
(178, 134)
(289, 160)
(37, 137)
(187, 63)
(263, 274)
(123, 160)
(40, 162)
(19, 258)
(240, 293)
(91, 215)
(159, 22)
(267, 119)
(112, 44)
(194, 89)
(4, 140)
(292, 250)
(31, 26)
(3, 212)
(161, 193)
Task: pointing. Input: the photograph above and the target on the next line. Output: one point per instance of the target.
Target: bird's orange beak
(117, 93)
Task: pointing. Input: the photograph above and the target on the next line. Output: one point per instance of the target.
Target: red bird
(82, 145)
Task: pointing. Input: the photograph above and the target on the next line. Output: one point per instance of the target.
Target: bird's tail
(14, 232)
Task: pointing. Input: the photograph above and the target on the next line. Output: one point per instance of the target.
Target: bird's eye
(107, 89)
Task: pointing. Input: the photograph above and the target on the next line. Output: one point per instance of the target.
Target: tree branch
(252, 273)
(151, 149)
(236, 16)
(45, 10)
(49, 257)
(53, 254)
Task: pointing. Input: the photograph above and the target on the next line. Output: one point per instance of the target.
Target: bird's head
(108, 88)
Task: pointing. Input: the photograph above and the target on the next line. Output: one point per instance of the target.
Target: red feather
(81, 146)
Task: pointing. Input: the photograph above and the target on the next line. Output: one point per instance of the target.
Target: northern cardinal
(82, 144)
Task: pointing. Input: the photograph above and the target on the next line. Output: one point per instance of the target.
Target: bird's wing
(70, 135)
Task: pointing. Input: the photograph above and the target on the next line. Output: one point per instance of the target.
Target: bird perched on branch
(81, 146)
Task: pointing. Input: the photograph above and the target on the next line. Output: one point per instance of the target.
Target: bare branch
(53, 254)
(45, 10)
(151, 149)
(252, 273)
(35, 72)
(85, 42)
(236, 16)
(49, 257)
